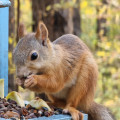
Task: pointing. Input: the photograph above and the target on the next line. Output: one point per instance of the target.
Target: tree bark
(101, 21)
(58, 22)
(101, 33)
(11, 84)
(11, 19)
(18, 19)
(41, 14)
(77, 20)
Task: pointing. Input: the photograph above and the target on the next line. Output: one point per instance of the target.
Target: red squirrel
(65, 70)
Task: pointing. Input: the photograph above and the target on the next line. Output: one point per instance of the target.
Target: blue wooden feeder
(56, 117)
(4, 19)
(4, 13)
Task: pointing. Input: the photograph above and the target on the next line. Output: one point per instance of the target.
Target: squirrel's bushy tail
(99, 112)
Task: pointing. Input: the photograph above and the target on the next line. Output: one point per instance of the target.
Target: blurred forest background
(96, 22)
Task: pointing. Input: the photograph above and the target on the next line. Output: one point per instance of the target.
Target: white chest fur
(65, 91)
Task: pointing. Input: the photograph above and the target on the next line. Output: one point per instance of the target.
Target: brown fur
(65, 70)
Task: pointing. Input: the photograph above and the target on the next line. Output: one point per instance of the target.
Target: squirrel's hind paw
(76, 115)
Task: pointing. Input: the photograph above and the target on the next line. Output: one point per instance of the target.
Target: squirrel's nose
(23, 72)
(27, 74)
(21, 76)
(24, 76)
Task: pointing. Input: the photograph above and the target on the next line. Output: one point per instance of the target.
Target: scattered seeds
(9, 109)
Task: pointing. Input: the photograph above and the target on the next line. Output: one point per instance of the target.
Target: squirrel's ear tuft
(42, 33)
(21, 30)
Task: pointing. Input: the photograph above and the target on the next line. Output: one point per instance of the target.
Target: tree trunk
(18, 19)
(58, 22)
(41, 14)
(101, 21)
(11, 19)
(77, 20)
(11, 84)
(102, 32)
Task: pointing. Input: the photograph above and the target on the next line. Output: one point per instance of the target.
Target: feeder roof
(5, 3)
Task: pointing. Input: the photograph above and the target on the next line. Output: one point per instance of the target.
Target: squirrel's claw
(30, 82)
(76, 115)
(19, 81)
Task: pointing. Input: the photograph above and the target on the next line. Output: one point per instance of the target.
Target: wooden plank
(59, 117)
(4, 46)
(54, 117)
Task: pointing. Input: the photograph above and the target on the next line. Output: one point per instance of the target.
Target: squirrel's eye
(34, 56)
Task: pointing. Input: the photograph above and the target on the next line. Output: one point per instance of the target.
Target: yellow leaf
(84, 4)
(10, 54)
(109, 103)
(101, 53)
(103, 9)
(10, 40)
(113, 70)
(48, 7)
(89, 11)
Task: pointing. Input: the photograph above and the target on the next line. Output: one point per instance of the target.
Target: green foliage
(107, 52)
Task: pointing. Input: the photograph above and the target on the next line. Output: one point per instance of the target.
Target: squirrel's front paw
(30, 81)
(19, 81)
